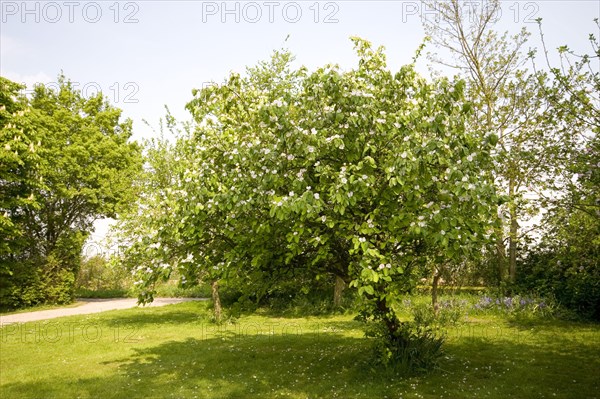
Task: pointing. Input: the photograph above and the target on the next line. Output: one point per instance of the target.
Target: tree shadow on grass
(257, 362)
(529, 366)
(189, 312)
(245, 365)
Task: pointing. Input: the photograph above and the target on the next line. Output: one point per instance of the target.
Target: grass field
(175, 351)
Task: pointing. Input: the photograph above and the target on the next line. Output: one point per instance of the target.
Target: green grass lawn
(175, 351)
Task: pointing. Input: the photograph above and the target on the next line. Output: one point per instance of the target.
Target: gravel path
(88, 306)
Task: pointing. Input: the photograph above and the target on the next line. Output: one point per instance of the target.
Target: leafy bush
(449, 313)
(410, 349)
(109, 293)
(97, 274)
(37, 280)
(573, 281)
(173, 290)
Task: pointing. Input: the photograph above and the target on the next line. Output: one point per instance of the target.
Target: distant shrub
(449, 312)
(97, 274)
(573, 281)
(38, 280)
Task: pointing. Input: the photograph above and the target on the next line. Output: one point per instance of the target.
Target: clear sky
(145, 54)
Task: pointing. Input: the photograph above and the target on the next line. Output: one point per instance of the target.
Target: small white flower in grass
(362, 239)
(403, 155)
(389, 266)
(323, 218)
(344, 180)
(470, 157)
(308, 188)
(311, 149)
(443, 232)
(291, 194)
(313, 131)
(290, 157)
(317, 196)
(350, 194)
(381, 266)
(465, 178)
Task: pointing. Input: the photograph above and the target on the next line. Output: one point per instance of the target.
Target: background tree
(84, 166)
(566, 263)
(19, 173)
(509, 105)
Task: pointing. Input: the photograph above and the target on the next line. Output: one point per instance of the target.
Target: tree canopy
(360, 173)
(67, 161)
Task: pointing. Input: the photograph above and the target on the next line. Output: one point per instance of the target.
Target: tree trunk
(501, 257)
(512, 246)
(338, 290)
(514, 225)
(434, 291)
(216, 300)
(388, 316)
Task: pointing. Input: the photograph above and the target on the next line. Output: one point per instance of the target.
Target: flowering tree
(360, 174)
